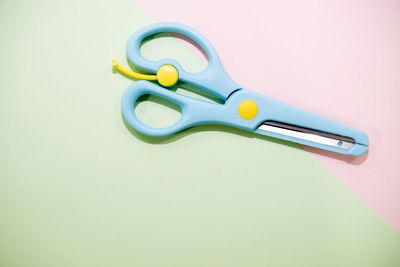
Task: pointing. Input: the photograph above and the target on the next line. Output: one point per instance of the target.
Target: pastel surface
(339, 59)
(77, 188)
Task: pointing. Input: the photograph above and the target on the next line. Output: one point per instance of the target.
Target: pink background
(340, 59)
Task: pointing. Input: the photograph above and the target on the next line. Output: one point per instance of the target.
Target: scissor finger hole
(157, 112)
(179, 47)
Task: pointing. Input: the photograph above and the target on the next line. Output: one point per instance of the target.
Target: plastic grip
(194, 112)
(197, 112)
(212, 79)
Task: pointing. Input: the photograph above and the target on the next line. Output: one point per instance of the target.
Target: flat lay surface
(78, 187)
(339, 59)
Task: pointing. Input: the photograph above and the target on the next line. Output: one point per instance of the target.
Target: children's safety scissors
(243, 108)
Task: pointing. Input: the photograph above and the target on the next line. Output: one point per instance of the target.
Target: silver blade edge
(308, 134)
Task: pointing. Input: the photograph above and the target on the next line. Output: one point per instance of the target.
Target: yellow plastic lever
(133, 74)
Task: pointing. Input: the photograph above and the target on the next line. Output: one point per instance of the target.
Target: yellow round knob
(167, 75)
(248, 109)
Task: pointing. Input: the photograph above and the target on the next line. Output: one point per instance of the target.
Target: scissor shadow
(222, 128)
(346, 158)
(231, 130)
(203, 128)
(200, 128)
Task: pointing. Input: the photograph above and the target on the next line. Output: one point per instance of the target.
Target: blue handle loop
(213, 78)
(197, 112)
(194, 112)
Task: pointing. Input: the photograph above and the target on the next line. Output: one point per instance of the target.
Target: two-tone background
(78, 188)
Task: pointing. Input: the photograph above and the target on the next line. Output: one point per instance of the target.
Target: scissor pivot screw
(247, 109)
(167, 75)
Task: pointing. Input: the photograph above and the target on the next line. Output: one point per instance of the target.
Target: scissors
(243, 108)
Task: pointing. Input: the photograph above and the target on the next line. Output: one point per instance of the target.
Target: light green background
(77, 188)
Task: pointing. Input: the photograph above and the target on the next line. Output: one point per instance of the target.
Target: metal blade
(308, 134)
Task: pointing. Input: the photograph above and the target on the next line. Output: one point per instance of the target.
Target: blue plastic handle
(212, 79)
(194, 112)
(198, 112)
(215, 80)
